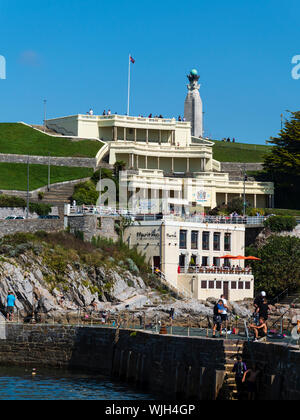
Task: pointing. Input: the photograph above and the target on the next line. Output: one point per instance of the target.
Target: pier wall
(169, 366)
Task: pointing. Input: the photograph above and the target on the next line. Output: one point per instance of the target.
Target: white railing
(137, 215)
(216, 270)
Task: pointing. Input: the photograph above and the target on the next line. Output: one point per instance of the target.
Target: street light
(27, 207)
(45, 113)
(245, 180)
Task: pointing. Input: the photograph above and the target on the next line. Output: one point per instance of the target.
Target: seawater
(20, 384)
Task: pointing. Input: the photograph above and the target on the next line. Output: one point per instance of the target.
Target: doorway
(156, 263)
(226, 290)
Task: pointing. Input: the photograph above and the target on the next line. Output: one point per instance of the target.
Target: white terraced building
(163, 159)
(187, 256)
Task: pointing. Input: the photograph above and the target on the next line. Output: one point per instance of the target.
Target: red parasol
(252, 258)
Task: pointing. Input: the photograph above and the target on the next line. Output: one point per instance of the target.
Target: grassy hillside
(22, 140)
(239, 152)
(13, 176)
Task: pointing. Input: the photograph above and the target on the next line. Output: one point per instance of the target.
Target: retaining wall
(54, 161)
(10, 227)
(170, 366)
(239, 167)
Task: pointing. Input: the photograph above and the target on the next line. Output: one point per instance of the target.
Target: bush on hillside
(17, 202)
(281, 223)
(279, 267)
(86, 193)
(12, 201)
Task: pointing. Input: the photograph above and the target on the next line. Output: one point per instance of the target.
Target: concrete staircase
(232, 349)
(47, 130)
(59, 195)
(291, 298)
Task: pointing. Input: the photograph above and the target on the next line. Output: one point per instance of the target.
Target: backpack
(240, 369)
(216, 310)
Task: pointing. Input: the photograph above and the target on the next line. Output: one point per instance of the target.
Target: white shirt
(225, 304)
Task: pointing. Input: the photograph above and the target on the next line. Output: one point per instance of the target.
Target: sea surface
(21, 384)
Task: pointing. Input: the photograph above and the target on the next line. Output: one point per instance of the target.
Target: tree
(279, 267)
(283, 163)
(121, 225)
(119, 166)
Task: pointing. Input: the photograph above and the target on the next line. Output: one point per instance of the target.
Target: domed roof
(194, 72)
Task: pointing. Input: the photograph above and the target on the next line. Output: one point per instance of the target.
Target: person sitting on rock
(260, 330)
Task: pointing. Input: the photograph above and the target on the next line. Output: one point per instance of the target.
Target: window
(193, 261)
(241, 285)
(204, 261)
(227, 262)
(204, 284)
(217, 241)
(195, 235)
(227, 242)
(205, 241)
(216, 262)
(182, 260)
(211, 284)
(183, 239)
(233, 285)
(247, 285)
(219, 285)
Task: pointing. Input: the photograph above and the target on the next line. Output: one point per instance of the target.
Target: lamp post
(27, 207)
(45, 113)
(49, 173)
(245, 179)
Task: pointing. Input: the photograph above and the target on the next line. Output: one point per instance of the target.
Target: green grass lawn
(239, 152)
(22, 140)
(13, 176)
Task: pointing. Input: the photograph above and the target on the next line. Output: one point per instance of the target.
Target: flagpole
(128, 104)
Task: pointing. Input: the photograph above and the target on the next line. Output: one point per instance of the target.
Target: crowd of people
(246, 379)
(228, 140)
(259, 326)
(91, 112)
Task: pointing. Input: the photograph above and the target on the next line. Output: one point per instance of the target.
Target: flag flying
(132, 60)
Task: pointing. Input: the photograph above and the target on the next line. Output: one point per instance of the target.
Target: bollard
(163, 330)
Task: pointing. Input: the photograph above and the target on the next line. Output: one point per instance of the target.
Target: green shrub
(12, 201)
(41, 209)
(279, 267)
(281, 223)
(85, 193)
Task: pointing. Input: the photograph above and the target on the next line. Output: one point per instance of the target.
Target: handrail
(282, 315)
(280, 294)
(215, 270)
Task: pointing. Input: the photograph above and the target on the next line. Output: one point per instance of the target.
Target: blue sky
(75, 54)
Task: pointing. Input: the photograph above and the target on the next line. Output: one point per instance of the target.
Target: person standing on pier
(10, 306)
(218, 310)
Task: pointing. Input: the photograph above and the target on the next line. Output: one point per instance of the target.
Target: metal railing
(139, 216)
(137, 320)
(215, 270)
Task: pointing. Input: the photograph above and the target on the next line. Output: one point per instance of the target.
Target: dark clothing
(261, 333)
(264, 311)
(239, 369)
(258, 301)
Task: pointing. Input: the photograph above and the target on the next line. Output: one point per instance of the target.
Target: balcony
(216, 271)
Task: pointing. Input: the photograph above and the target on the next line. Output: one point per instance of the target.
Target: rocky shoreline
(77, 296)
